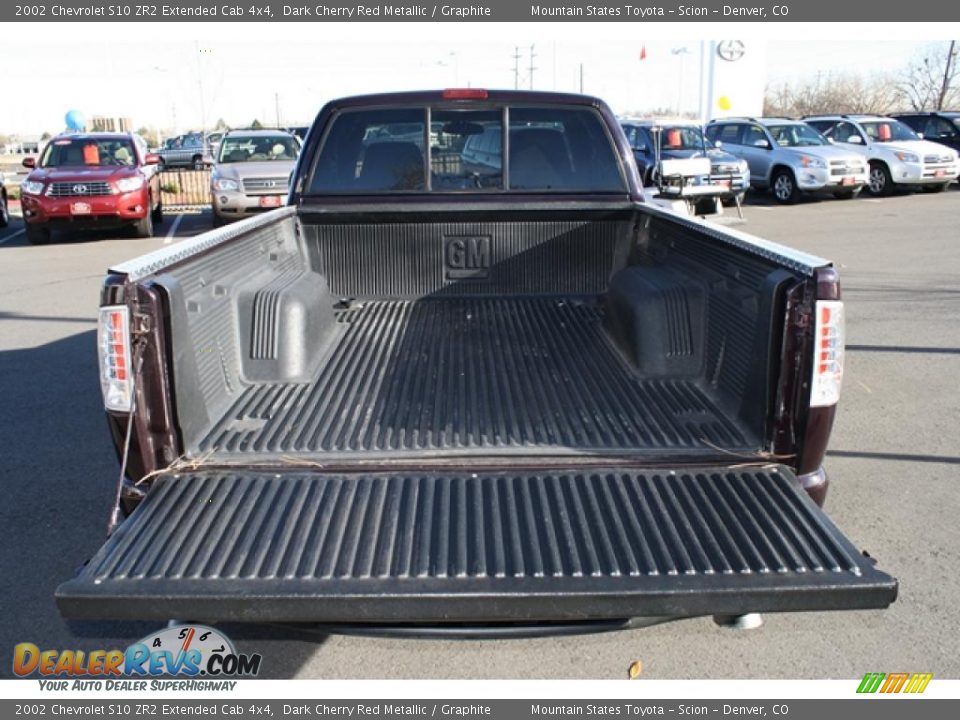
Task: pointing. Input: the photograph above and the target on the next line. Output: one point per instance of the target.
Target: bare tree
(833, 94)
(931, 81)
(151, 135)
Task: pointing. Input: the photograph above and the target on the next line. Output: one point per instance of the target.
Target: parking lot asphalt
(894, 463)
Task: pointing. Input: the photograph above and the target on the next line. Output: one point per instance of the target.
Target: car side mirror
(30, 162)
(855, 140)
(762, 144)
(718, 143)
(641, 148)
(151, 159)
(920, 135)
(831, 141)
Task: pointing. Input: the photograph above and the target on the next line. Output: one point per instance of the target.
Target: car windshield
(796, 135)
(888, 131)
(80, 152)
(258, 148)
(683, 138)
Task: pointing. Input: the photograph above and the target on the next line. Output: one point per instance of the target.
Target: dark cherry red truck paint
(469, 379)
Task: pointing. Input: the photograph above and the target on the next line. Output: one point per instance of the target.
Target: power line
(532, 66)
(516, 67)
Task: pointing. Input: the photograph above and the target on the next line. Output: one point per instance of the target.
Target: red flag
(643, 52)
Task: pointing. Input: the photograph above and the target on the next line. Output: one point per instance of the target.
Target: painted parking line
(872, 200)
(173, 230)
(11, 236)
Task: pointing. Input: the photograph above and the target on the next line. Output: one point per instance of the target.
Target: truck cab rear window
(389, 150)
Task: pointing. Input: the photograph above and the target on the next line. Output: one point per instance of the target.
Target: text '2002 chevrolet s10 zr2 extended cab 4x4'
(433, 390)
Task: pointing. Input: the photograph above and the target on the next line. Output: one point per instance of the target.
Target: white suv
(897, 155)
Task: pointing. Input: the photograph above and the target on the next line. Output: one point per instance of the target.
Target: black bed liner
(437, 548)
(455, 375)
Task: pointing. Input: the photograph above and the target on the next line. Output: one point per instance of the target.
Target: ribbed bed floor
(532, 374)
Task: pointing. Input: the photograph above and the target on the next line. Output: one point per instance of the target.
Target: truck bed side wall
(261, 308)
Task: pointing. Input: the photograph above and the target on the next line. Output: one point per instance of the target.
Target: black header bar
(488, 10)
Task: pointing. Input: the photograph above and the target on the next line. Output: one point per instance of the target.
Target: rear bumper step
(500, 547)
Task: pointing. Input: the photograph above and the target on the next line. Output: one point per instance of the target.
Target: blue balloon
(75, 120)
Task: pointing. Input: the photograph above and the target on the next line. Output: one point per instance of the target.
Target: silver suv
(790, 157)
(252, 172)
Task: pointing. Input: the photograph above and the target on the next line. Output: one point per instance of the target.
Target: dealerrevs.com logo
(182, 651)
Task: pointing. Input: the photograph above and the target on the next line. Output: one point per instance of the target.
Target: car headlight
(809, 161)
(221, 184)
(31, 187)
(907, 157)
(743, 165)
(129, 184)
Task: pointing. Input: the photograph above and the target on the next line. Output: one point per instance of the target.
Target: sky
(204, 72)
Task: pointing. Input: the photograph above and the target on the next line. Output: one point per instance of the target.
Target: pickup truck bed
(416, 408)
(471, 374)
(527, 356)
(557, 372)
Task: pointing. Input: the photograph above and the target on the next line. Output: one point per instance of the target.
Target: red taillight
(113, 349)
(828, 354)
(464, 94)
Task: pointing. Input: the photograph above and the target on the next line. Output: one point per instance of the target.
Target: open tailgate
(474, 548)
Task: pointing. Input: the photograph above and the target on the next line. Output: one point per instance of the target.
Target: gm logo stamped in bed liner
(466, 256)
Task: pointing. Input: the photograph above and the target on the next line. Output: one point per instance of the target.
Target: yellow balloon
(724, 102)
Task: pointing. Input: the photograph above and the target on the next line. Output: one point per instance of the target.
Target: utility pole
(581, 78)
(516, 67)
(203, 112)
(945, 87)
(276, 102)
(532, 66)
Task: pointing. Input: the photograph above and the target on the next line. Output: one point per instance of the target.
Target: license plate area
(80, 208)
(271, 201)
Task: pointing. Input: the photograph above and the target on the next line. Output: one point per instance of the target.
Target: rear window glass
(390, 150)
(560, 149)
(727, 134)
(466, 150)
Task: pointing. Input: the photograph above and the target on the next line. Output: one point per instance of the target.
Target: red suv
(89, 181)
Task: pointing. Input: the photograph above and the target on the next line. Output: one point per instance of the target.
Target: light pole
(173, 106)
(203, 112)
(680, 52)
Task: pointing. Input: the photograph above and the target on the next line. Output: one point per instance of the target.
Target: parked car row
(89, 180)
(837, 153)
(896, 154)
(83, 181)
(840, 154)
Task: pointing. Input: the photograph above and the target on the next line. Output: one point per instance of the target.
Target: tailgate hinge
(141, 322)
